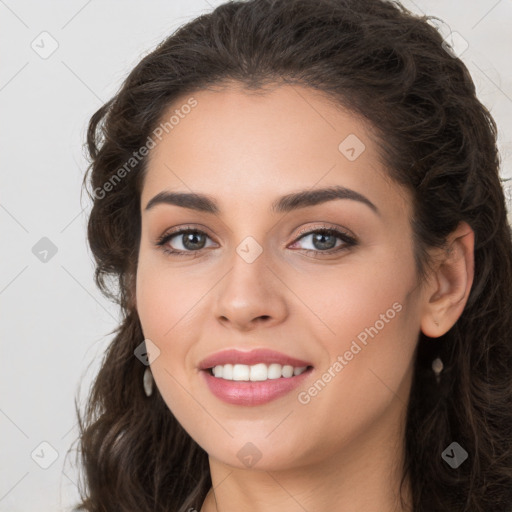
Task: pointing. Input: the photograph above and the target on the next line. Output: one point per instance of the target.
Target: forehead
(249, 145)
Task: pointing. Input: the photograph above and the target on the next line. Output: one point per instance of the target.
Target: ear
(448, 289)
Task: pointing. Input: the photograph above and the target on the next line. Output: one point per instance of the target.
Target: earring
(147, 382)
(437, 367)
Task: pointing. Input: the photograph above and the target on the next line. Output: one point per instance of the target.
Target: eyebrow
(284, 204)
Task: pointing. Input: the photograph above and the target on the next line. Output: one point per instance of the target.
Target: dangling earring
(437, 363)
(437, 367)
(147, 382)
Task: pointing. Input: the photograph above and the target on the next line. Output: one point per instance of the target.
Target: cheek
(165, 299)
(153, 306)
(369, 317)
(367, 376)
(350, 298)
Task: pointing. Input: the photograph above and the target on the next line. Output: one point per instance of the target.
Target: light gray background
(54, 321)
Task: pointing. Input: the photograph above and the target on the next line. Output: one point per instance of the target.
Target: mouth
(253, 378)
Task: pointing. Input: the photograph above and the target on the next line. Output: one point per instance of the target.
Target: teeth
(256, 372)
(240, 372)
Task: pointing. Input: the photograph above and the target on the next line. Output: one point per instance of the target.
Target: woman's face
(258, 275)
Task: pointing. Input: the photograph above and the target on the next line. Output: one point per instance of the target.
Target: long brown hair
(381, 62)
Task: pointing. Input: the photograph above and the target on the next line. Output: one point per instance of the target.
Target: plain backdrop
(60, 61)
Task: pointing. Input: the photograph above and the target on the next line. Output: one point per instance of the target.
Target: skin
(342, 450)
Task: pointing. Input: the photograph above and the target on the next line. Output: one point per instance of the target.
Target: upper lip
(234, 356)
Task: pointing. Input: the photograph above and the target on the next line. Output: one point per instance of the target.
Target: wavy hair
(379, 61)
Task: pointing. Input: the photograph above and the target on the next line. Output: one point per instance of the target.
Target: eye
(188, 241)
(326, 240)
(191, 241)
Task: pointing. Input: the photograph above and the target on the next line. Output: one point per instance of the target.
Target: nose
(250, 295)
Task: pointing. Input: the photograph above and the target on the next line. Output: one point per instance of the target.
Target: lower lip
(252, 393)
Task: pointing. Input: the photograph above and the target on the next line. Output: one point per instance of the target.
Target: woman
(300, 203)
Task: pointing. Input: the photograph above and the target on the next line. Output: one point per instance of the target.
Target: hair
(389, 67)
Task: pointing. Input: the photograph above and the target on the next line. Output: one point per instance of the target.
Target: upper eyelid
(325, 227)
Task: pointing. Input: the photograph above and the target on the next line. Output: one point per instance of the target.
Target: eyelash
(349, 241)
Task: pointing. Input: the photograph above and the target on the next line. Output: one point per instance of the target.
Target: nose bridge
(250, 292)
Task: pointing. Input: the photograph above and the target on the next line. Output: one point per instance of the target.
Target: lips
(248, 393)
(233, 356)
(252, 393)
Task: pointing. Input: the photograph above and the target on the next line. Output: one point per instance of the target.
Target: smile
(252, 378)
